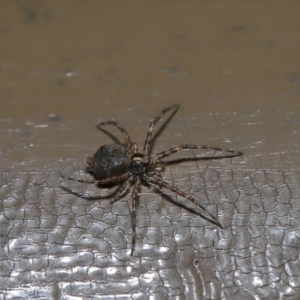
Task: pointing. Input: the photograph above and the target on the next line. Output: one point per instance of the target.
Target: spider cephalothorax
(127, 165)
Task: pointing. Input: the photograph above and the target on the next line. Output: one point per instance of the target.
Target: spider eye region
(108, 161)
(137, 166)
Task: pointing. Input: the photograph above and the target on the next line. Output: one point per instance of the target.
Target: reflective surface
(82, 247)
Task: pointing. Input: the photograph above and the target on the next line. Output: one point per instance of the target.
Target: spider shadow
(112, 136)
(181, 160)
(105, 197)
(158, 191)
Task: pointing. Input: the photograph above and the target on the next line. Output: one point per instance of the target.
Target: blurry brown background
(232, 65)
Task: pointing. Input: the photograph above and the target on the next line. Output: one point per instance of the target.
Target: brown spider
(125, 164)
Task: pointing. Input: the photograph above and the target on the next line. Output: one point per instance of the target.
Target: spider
(113, 164)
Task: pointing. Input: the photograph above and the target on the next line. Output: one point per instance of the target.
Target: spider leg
(123, 189)
(226, 152)
(102, 181)
(156, 175)
(121, 128)
(134, 147)
(132, 206)
(148, 140)
(172, 188)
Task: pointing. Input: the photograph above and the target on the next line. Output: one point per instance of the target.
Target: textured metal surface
(56, 245)
(234, 68)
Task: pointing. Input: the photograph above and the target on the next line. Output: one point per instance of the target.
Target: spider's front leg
(121, 128)
(148, 141)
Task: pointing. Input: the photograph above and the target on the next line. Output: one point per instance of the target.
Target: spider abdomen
(108, 161)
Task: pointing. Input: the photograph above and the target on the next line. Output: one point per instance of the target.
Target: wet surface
(234, 69)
